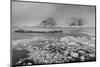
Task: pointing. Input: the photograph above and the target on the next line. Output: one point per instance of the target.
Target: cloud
(76, 21)
(25, 13)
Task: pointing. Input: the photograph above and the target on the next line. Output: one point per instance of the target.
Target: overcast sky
(32, 14)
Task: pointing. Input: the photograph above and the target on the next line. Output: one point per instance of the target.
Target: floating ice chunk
(82, 58)
(29, 63)
(82, 52)
(73, 43)
(74, 55)
(92, 55)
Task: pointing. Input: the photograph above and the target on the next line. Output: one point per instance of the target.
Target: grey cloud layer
(24, 13)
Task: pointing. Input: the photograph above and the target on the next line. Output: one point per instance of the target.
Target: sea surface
(66, 31)
(17, 54)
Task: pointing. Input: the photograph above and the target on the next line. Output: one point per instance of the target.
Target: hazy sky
(32, 14)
